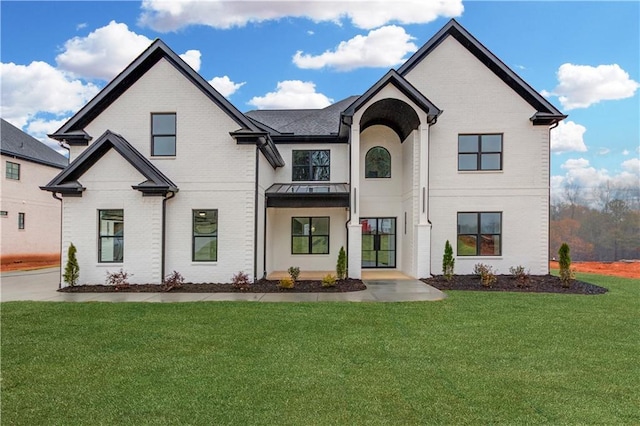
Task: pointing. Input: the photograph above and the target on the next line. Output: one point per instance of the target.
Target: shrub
(72, 269)
(341, 267)
(241, 281)
(566, 273)
(486, 273)
(294, 273)
(329, 281)
(120, 279)
(286, 283)
(519, 274)
(173, 280)
(448, 262)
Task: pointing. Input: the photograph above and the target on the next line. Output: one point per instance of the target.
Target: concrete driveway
(41, 285)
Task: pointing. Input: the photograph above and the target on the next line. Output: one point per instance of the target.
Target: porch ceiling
(308, 195)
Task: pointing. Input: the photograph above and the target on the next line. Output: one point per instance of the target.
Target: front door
(378, 242)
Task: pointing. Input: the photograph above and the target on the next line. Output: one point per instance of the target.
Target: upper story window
(12, 171)
(311, 165)
(163, 134)
(111, 235)
(377, 163)
(480, 152)
(479, 234)
(21, 218)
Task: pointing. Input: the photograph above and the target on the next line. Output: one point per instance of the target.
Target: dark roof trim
(263, 141)
(147, 59)
(293, 195)
(293, 139)
(392, 77)
(484, 55)
(31, 159)
(156, 182)
(77, 137)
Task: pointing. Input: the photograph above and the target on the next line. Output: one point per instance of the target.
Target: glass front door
(378, 242)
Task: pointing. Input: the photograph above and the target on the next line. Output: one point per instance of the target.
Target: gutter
(61, 268)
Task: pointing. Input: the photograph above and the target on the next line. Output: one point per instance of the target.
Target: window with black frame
(12, 170)
(111, 236)
(479, 234)
(163, 134)
(205, 236)
(479, 152)
(310, 235)
(377, 163)
(311, 165)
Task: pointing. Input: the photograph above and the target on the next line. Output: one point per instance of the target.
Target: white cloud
(81, 26)
(192, 57)
(40, 128)
(103, 53)
(384, 47)
(580, 86)
(626, 152)
(225, 86)
(603, 151)
(164, 16)
(39, 87)
(632, 165)
(567, 137)
(292, 94)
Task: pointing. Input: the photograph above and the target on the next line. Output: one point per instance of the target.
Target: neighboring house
(167, 174)
(29, 218)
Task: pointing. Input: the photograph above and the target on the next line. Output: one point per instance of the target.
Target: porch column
(422, 232)
(354, 229)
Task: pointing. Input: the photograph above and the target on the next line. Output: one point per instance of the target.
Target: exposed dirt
(625, 269)
(25, 262)
(534, 284)
(262, 286)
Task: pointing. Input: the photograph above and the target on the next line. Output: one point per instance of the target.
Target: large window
(13, 171)
(310, 235)
(311, 165)
(111, 236)
(205, 235)
(377, 163)
(163, 134)
(21, 217)
(479, 234)
(480, 152)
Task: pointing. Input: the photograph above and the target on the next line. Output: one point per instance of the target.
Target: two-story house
(167, 174)
(29, 218)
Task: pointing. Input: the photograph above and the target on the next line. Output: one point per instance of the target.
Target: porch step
(366, 275)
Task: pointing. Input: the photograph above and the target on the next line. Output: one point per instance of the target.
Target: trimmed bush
(294, 273)
(486, 273)
(448, 262)
(286, 283)
(120, 279)
(71, 269)
(564, 259)
(241, 281)
(341, 267)
(519, 274)
(173, 280)
(329, 281)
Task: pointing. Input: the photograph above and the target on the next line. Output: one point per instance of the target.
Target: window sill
(205, 263)
(484, 172)
(163, 157)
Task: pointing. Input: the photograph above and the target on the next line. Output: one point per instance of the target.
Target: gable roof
(18, 144)
(400, 117)
(136, 69)
(67, 183)
(546, 112)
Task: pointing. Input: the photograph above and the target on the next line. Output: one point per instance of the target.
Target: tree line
(601, 224)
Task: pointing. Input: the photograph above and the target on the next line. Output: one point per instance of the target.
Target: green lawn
(474, 358)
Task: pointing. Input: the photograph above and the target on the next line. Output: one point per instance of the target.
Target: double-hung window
(311, 165)
(21, 218)
(111, 236)
(480, 234)
(163, 134)
(205, 236)
(480, 152)
(310, 235)
(12, 171)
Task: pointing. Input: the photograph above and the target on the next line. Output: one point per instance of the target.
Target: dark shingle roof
(18, 144)
(307, 122)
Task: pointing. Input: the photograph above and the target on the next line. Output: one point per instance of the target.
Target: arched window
(377, 163)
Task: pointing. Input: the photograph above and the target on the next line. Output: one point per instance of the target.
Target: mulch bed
(535, 284)
(262, 286)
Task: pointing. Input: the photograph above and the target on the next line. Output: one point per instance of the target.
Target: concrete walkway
(41, 285)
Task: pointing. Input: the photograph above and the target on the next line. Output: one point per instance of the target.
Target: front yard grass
(474, 358)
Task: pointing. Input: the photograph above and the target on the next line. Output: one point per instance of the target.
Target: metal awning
(308, 195)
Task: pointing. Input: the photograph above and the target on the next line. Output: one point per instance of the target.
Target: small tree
(448, 262)
(564, 259)
(341, 267)
(72, 269)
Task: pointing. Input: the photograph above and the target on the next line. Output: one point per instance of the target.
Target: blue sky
(584, 56)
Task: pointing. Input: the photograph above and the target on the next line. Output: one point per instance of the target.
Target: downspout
(264, 241)
(553, 126)
(59, 199)
(164, 233)
(346, 225)
(255, 213)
